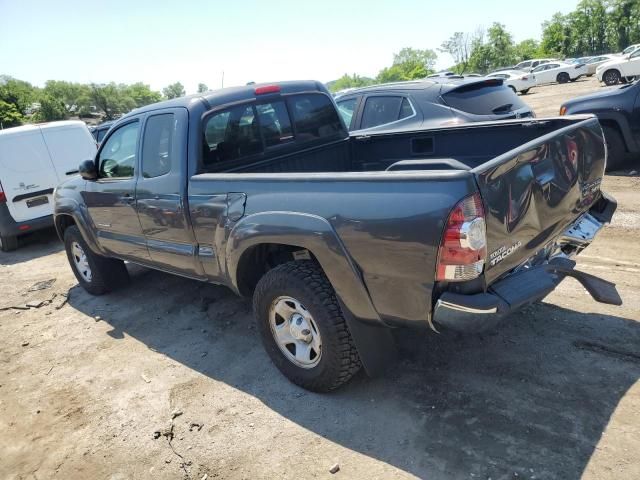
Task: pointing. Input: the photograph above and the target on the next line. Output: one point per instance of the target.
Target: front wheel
(616, 152)
(96, 274)
(303, 328)
(611, 77)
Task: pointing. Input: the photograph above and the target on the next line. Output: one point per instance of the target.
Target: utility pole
(223, 79)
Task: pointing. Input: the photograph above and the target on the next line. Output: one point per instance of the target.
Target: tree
(553, 35)
(111, 99)
(17, 92)
(9, 115)
(391, 74)
(51, 108)
(202, 88)
(527, 49)
(415, 63)
(460, 47)
(141, 94)
(349, 81)
(174, 90)
(74, 96)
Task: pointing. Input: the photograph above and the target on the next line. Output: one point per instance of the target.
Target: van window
(230, 134)
(382, 110)
(118, 156)
(275, 125)
(314, 116)
(157, 145)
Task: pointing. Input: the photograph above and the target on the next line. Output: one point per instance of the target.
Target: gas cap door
(235, 205)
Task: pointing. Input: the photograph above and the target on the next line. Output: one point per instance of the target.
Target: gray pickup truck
(339, 238)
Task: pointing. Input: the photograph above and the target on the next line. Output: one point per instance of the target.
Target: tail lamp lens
(463, 250)
(3, 197)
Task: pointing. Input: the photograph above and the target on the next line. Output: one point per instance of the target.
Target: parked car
(338, 237)
(596, 61)
(99, 131)
(33, 160)
(529, 65)
(630, 49)
(560, 72)
(443, 74)
(618, 110)
(620, 69)
(517, 80)
(430, 102)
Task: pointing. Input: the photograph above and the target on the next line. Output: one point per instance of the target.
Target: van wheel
(616, 153)
(563, 77)
(302, 327)
(96, 274)
(611, 77)
(8, 244)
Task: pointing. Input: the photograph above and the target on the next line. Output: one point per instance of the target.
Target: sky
(191, 41)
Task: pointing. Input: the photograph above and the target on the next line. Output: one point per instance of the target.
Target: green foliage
(202, 88)
(74, 96)
(9, 115)
(112, 99)
(17, 92)
(51, 109)
(174, 90)
(141, 94)
(349, 81)
(526, 50)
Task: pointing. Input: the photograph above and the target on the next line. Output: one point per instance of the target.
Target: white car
(596, 61)
(620, 69)
(517, 80)
(560, 72)
(529, 65)
(630, 49)
(34, 159)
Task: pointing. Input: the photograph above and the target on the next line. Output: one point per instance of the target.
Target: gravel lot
(168, 379)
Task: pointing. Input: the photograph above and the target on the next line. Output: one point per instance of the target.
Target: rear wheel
(9, 243)
(563, 77)
(96, 274)
(302, 327)
(616, 152)
(611, 77)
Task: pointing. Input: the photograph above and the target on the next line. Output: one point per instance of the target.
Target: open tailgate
(534, 192)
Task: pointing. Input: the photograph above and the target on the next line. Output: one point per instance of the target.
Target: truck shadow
(33, 245)
(528, 400)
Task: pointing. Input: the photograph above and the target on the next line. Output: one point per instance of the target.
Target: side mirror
(87, 170)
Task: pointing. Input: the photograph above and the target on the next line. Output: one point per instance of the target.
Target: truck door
(111, 198)
(160, 191)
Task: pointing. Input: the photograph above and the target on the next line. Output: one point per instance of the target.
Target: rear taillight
(463, 249)
(3, 197)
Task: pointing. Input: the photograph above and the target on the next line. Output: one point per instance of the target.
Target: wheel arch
(619, 123)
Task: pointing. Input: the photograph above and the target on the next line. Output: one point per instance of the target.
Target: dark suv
(430, 103)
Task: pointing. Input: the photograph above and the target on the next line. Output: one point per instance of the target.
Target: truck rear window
(484, 99)
(250, 129)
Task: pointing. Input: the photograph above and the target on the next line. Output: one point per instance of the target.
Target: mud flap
(376, 345)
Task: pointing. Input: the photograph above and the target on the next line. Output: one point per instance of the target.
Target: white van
(34, 159)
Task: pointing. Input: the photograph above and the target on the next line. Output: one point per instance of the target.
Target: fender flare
(373, 340)
(71, 208)
(623, 125)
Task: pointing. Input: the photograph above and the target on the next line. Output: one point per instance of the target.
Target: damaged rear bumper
(478, 312)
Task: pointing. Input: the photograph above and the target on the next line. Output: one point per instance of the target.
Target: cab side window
(118, 155)
(346, 108)
(157, 146)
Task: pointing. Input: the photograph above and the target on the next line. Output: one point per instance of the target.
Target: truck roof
(223, 96)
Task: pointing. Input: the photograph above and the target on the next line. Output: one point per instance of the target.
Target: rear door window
(157, 146)
(381, 110)
(314, 116)
(484, 98)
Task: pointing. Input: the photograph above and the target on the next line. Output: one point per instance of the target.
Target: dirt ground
(167, 379)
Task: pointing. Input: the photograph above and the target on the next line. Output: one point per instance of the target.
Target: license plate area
(36, 202)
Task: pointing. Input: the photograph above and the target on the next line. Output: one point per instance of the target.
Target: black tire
(106, 273)
(8, 244)
(616, 151)
(525, 91)
(306, 282)
(563, 77)
(611, 77)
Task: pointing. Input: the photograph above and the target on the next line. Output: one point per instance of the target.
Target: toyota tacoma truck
(338, 238)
